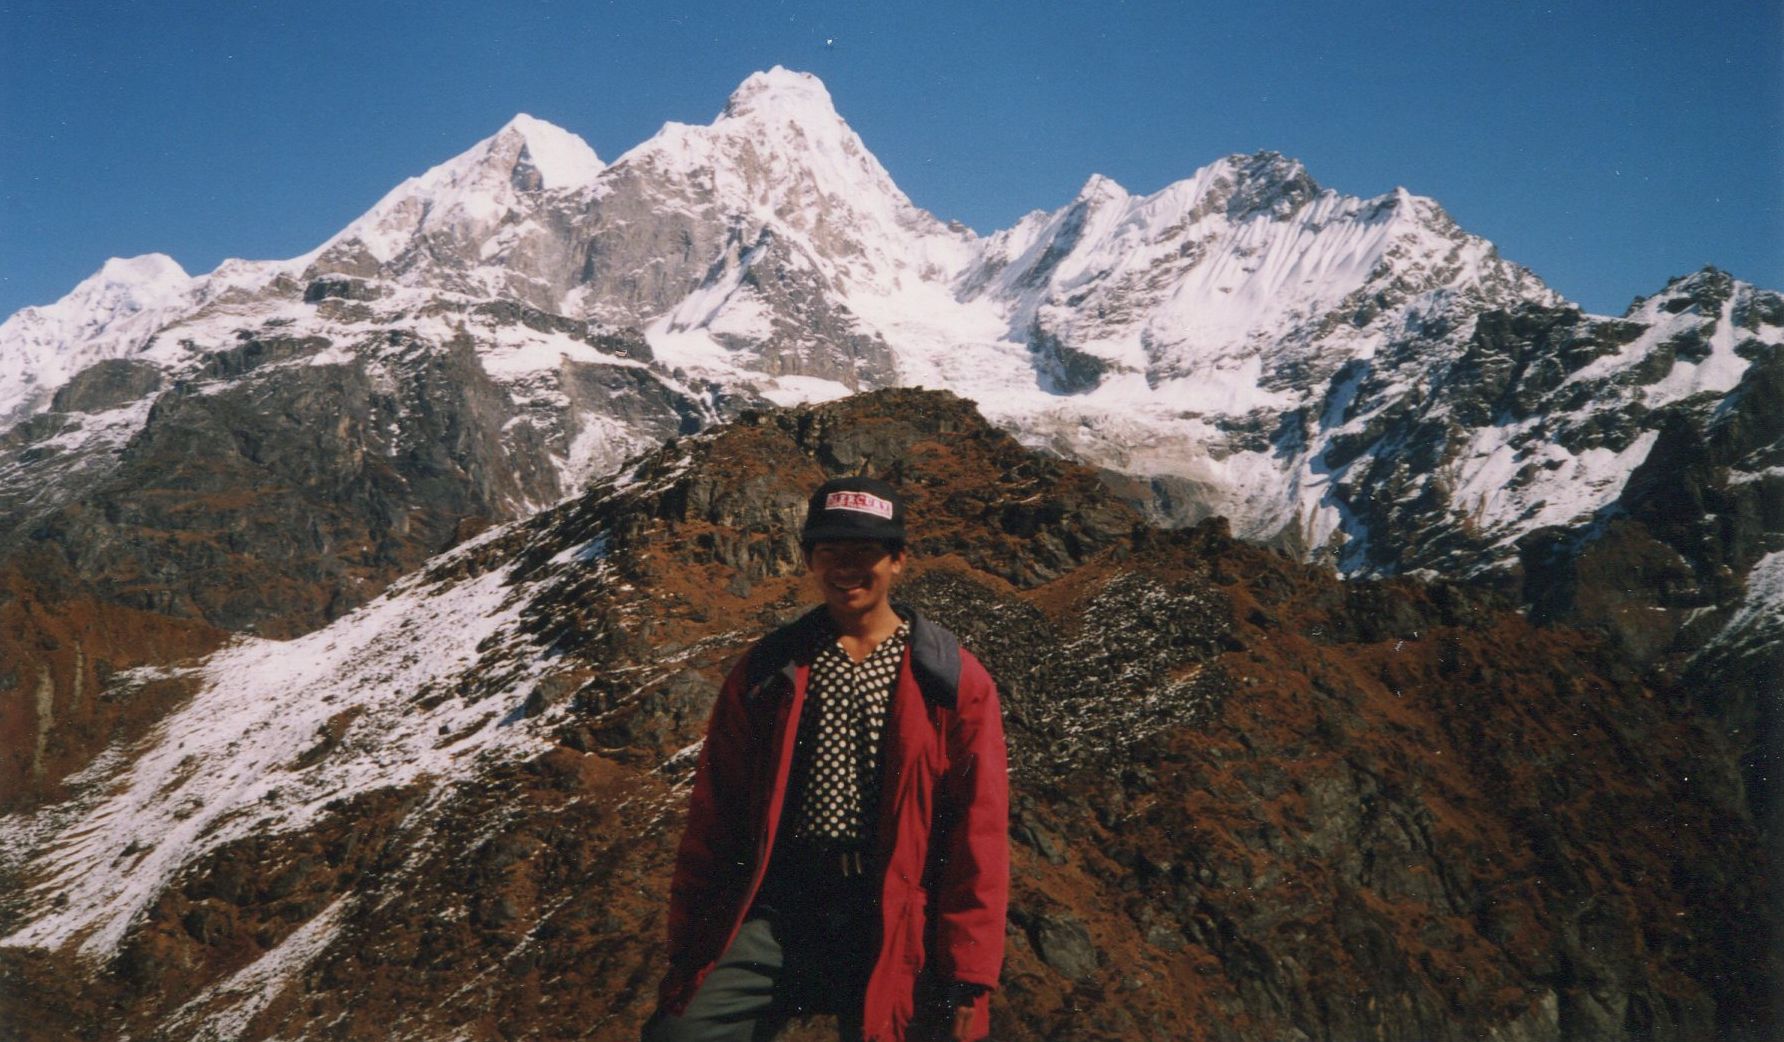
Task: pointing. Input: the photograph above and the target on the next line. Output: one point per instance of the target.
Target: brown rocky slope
(1252, 801)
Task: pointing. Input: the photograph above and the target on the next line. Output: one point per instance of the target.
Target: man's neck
(860, 634)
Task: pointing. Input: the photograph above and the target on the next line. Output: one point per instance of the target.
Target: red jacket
(943, 844)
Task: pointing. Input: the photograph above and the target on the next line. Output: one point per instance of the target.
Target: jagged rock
(107, 385)
(340, 289)
(1062, 369)
(1065, 945)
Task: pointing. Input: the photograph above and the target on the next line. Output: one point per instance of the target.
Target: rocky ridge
(1252, 801)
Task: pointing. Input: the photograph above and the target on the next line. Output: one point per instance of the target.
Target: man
(847, 840)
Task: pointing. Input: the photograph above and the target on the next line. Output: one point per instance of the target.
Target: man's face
(854, 575)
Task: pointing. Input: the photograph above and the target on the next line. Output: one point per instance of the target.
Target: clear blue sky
(1608, 146)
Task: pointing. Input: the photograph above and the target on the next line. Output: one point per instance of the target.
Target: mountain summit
(480, 223)
(781, 93)
(112, 312)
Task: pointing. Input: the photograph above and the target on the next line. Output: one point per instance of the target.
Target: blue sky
(1607, 146)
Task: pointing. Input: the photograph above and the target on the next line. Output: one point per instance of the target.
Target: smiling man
(847, 843)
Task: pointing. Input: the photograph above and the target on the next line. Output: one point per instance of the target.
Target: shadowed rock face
(1251, 801)
(251, 506)
(107, 385)
(1666, 569)
(280, 484)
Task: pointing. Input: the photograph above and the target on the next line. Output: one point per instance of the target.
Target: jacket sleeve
(714, 852)
(973, 884)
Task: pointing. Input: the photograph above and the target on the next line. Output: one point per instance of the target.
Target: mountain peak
(1708, 275)
(781, 90)
(142, 270)
(1265, 184)
(562, 159)
(470, 192)
(1269, 166)
(781, 149)
(111, 313)
(1099, 188)
(125, 285)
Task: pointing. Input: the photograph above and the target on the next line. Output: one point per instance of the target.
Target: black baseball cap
(854, 508)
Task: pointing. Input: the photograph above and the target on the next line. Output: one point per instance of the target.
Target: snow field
(225, 766)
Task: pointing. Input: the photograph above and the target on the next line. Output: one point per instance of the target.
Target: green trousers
(779, 967)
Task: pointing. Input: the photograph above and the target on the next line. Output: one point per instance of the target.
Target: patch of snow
(1746, 477)
(600, 445)
(798, 390)
(693, 351)
(587, 553)
(564, 160)
(705, 304)
(1719, 372)
(1563, 487)
(508, 352)
(223, 1011)
(1760, 618)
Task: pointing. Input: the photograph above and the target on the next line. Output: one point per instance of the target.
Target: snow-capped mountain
(1197, 336)
(1229, 340)
(1357, 380)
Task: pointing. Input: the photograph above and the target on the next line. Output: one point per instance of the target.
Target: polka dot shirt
(840, 733)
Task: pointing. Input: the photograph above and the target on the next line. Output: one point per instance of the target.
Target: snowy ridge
(1245, 257)
(1189, 310)
(1717, 372)
(527, 361)
(1564, 485)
